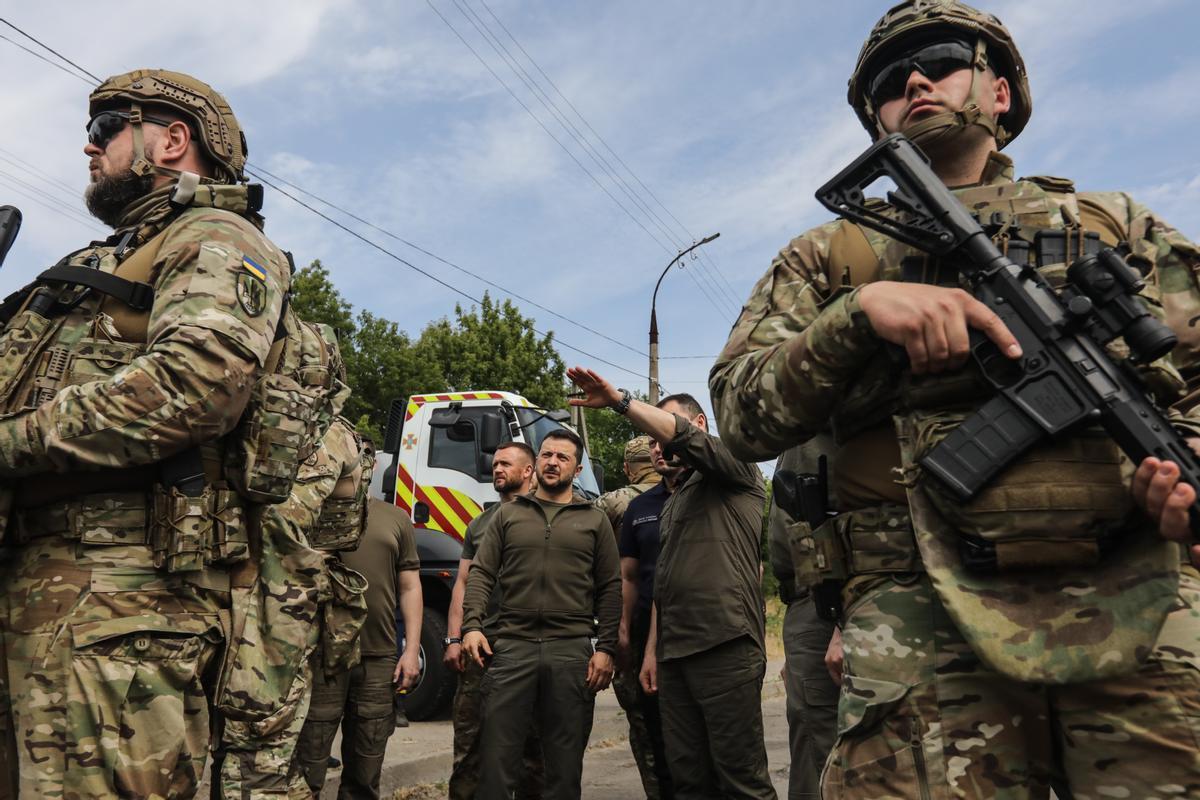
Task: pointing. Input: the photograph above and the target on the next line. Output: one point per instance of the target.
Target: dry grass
(426, 791)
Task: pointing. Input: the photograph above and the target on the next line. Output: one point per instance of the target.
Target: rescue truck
(437, 468)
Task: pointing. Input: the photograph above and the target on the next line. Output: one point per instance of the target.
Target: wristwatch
(449, 640)
(626, 399)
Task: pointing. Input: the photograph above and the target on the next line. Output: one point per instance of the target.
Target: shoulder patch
(252, 292)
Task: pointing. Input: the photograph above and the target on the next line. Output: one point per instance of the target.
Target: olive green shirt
(706, 582)
(471, 540)
(558, 573)
(388, 547)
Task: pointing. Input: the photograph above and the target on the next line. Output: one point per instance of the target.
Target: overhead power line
(604, 143)
(427, 274)
(448, 263)
(667, 247)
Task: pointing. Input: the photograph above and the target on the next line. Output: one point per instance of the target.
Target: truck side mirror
(491, 433)
(395, 424)
(444, 417)
(559, 415)
(598, 471)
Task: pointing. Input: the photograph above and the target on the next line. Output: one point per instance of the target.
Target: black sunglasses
(934, 61)
(107, 124)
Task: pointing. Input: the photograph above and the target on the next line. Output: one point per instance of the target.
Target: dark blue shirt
(639, 538)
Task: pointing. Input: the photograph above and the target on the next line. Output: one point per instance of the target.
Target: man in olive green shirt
(554, 558)
(360, 701)
(512, 475)
(705, 655)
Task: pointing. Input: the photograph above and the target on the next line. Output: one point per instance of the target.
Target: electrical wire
(447, 262)
(427, 274)
(556, 140)
(606, 145)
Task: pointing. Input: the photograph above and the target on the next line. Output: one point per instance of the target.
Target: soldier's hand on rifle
(600, 671)
(930, 323)
(1157, 489)
(476, 646)
(598, 393)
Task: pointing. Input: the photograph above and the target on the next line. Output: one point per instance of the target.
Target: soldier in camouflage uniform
(128, 368)
(639, 471)
(1074, 656)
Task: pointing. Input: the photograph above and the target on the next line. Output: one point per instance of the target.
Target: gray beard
(110, 195)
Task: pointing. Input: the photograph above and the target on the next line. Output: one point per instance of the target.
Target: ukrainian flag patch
(254, 269)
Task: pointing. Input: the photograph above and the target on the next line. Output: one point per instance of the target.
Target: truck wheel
(436, 684)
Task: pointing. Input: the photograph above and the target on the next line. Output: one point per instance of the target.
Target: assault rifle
(10, 224)
(1064, 378)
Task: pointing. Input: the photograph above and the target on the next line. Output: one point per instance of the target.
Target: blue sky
(731, 114)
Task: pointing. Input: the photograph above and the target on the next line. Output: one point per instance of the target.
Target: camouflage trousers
(110, 665)
(468, 720)
(920, 716)
(812, 697)
(249, 765)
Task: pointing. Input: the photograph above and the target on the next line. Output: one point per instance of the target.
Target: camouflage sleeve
(1173, 262)
(790, 353)
(210, 330)
(485, 567)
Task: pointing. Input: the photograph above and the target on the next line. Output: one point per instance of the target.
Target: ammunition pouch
(274, 435)
(1066, 503)
(343, 517)
(342, 618)
(864, 541)
(27, 334)
(186, 534)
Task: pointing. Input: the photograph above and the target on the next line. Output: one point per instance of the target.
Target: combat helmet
(215, 127)
(906, 24)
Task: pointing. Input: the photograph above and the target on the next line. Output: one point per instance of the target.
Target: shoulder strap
(131, 321)
(852, 260)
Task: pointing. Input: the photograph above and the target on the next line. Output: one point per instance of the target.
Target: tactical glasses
(107, 124)
(934, 61)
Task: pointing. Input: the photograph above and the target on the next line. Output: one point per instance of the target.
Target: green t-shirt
(388, 547)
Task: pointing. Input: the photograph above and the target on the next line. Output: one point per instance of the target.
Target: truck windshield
(536, 428)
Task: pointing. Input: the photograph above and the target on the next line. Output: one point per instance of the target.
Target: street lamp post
(654, 317)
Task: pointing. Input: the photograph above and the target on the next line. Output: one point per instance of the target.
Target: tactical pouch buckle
(181, 529)
(229, 539)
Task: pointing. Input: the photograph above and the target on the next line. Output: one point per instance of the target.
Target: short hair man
(705, 654)
(964, 677)
(555, 561)
(512, 475)
(359, 701)
(639, 471)
(110, 689)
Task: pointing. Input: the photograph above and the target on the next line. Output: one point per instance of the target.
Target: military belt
(100, 518)
(859, 542)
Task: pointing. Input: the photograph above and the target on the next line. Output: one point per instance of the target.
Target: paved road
(419, 757)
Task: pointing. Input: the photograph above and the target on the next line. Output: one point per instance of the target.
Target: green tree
(495, 347)
(316, 299)
(383, 364)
